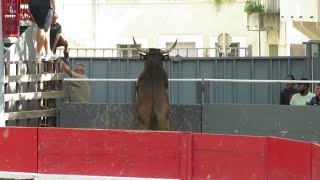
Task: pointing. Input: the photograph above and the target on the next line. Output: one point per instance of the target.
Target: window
(184, 49)
(297, 50)
(127, 50)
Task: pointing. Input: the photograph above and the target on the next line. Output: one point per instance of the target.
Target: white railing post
(2, 121)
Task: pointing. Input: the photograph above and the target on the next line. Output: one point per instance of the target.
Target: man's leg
(47, 41)
(40, 40)
(65, 44)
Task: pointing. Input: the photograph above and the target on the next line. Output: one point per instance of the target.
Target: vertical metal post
(206, 92)
(259, 41)
(2, 119)
(65, 91)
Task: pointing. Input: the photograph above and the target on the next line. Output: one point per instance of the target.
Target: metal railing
(271, 5)
(132, 52)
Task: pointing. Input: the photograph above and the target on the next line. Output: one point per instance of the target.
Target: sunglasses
(84, 68)
(80, 64)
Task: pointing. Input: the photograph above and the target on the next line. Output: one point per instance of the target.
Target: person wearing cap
(79, 91)
(287, 93)
(316, 99)
(304, 96)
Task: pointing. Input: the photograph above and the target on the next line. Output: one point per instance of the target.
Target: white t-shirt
(297, 99)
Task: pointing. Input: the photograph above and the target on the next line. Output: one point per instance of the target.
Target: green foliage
(254, 6)
(218, 3)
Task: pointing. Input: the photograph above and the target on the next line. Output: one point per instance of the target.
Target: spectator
(287, 93)
(42, 12)
(56, 39)
(316, 99)
(79, 91)
(303, 96)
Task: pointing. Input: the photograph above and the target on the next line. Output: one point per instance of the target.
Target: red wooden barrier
(229, 157)
(178, 155)
(109, 153)
(289, 160)
(18, 149)
(315, 161)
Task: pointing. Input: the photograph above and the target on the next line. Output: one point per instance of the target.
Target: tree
(218, 3)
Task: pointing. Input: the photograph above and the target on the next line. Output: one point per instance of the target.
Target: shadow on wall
(23, 49)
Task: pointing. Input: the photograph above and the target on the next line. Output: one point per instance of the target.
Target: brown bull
(152, 98)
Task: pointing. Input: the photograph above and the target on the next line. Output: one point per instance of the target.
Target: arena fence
(132, 155)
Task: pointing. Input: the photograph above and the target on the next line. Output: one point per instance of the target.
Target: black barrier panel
(123, 116)
(293, 122)
(24, 123)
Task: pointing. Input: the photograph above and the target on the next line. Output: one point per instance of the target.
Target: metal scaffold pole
(2, 121)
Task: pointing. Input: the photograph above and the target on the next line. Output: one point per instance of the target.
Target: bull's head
(163, 53)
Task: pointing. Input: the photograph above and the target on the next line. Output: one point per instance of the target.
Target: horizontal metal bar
(197, 80)
(262, 81)
(126, 80)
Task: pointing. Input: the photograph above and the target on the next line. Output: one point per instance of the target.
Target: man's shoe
(51, 57)
(40, 57)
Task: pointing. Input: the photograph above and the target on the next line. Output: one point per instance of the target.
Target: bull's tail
(153, 121)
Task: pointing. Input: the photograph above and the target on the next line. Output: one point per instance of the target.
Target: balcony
(272, 6)
(305, 16)
(266, 19)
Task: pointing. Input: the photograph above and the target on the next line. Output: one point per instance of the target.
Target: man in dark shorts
(42, 12)
(56, 40)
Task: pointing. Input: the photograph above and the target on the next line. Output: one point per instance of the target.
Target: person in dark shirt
(316, 99)
(287, 93)
(56, 39)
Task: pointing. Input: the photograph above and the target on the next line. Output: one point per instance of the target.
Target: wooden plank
(186, 152)
(33, 77)
(109, 153)
(24, 62)
(19, 149)
(30, 114)
(289, 159)
(229, 157)
(315, 162)
(33, 95)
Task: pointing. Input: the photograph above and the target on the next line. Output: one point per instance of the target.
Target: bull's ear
(165, 57)
(142, 56)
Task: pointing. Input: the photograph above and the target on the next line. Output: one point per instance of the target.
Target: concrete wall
(293, 122)
(123, 116)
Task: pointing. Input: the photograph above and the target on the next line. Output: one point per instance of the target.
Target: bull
(152, 103)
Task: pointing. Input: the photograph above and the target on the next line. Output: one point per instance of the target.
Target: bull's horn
(141, 51)
(167, 51)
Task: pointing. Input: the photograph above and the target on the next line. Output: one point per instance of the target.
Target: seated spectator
(287, 93)
(303, 96)
(316, 99)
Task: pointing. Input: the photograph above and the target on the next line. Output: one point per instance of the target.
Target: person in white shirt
(303, 96)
